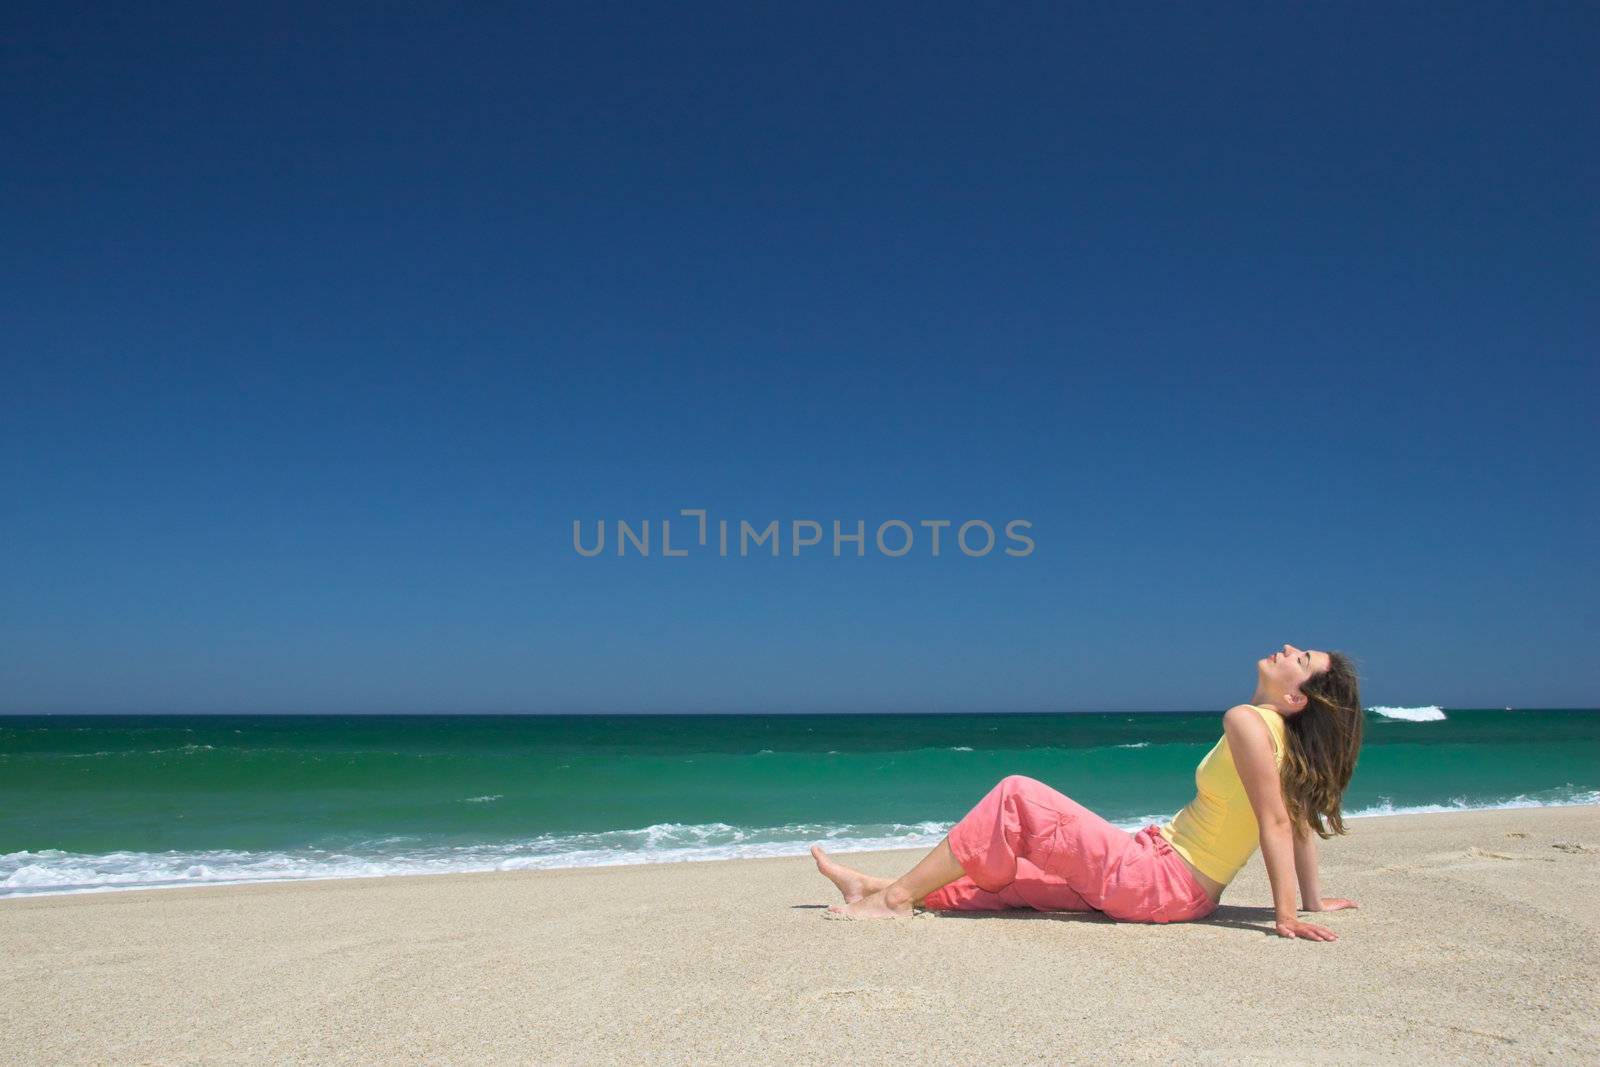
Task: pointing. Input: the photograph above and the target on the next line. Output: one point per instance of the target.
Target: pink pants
(1027, 846)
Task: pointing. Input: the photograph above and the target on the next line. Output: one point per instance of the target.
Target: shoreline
(1477, 935)
(804, 853)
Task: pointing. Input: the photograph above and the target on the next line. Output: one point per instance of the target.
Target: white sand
(1478, 938)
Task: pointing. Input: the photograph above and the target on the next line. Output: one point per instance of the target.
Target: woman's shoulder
(1264, 713)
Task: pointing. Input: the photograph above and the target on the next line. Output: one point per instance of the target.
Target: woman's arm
(1305, 866)
(1251, 746)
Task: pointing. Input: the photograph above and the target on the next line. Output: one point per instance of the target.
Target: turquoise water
(89, 802)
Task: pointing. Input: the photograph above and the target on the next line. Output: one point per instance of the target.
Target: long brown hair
(1324, 741)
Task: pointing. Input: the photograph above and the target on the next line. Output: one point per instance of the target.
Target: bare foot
(873, 906)
(852, 883)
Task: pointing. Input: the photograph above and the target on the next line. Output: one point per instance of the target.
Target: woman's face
(1286, 670)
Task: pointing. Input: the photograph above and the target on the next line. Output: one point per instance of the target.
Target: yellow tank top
(1217, 832)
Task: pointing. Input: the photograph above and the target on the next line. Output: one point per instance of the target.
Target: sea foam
(1431, 713)
(56, 871)
(1560, 799)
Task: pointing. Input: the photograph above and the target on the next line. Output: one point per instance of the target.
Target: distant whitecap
(1431, 713)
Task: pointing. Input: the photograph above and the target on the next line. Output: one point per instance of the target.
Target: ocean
(92, 803)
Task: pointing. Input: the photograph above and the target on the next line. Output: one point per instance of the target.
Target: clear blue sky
(320, 329)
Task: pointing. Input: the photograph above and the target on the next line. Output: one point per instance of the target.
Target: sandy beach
(1478, 937)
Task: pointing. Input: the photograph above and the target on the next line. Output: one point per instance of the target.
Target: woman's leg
(852, 883)
(1003, 811)
(1130, 877)
(1032, 888)
(938, 868)
(1020, 819)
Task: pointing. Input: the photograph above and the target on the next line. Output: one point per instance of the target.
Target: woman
(1280, 769)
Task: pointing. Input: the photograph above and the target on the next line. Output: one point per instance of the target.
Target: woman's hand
(1334, 904)
(1295, 928)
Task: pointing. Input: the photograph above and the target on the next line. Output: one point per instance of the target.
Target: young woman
(1280, 769)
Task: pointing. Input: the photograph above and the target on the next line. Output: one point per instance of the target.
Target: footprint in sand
(914, 997)
(1573, 846)
(1516, 833)
(1483, 853)
(1486, 854)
